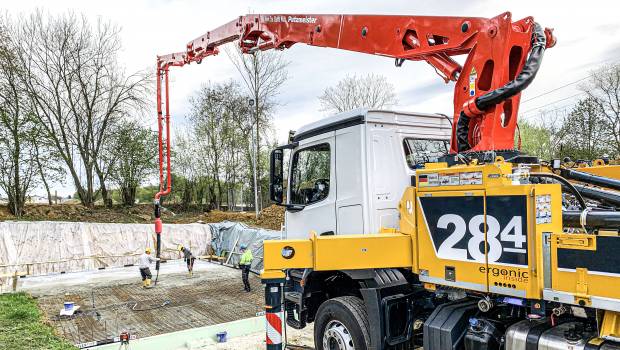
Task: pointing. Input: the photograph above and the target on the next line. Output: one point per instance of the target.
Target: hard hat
(243, 246)
(147, 250)
(180, 247)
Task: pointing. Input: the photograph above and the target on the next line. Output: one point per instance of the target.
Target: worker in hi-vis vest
(145, 261)
(245, 263)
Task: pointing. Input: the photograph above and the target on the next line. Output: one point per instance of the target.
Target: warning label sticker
(473, 76)
(450, 179)
(471, 178)
(428, 180)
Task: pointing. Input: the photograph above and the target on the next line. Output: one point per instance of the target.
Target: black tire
(351, 312)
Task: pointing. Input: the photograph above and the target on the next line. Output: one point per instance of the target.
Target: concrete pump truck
(396, 240)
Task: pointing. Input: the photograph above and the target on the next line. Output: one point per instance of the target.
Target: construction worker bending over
(245, 263)
(145, 261)
(189, 259)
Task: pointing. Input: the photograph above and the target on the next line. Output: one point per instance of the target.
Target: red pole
(162, 192)
(160, 131)
(169, 181)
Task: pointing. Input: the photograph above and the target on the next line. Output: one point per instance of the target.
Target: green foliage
(586, 133)
(21, 327)
(132, 153)
(536, 140)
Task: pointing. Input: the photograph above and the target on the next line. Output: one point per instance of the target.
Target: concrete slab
(55, 283)
(113, 300)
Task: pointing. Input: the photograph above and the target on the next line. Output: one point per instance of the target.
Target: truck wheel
(342, 324)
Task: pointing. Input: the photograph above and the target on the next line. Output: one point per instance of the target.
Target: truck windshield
(420, 151)
(310, 175)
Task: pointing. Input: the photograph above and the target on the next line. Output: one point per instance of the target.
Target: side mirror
(276, 176)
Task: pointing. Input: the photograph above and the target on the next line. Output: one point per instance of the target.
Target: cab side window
(421, 151)
(310, 175)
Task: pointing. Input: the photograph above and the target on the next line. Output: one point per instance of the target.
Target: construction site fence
(43, 248)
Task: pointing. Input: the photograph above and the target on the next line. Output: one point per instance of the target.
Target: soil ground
(115, 301)
(271, 217)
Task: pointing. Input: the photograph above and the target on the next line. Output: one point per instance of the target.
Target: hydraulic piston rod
(591, 219)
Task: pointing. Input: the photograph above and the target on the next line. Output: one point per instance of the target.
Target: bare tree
(213, 153)
(17, 159)
(77, 91)
(264, 73)
(370, 91)
(604, 89)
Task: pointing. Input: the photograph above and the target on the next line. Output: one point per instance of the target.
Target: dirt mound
(271, 217)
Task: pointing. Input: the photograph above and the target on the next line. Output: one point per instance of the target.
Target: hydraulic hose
(522, 81)
(591, 178)
(462, 132)
(606, 197)
(566, 183)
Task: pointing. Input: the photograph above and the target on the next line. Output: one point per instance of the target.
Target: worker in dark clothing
(189, 259)
(245, 263)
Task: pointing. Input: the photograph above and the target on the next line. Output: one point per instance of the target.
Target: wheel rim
(337, 337)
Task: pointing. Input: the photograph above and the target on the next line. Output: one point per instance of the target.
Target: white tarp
(54, 247)
(44, 247)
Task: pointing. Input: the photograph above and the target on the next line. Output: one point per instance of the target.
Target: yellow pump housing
(476, 228)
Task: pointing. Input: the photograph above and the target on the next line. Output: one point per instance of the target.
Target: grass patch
(21, 327)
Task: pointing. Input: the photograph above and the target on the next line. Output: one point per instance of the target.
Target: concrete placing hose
(522, 81)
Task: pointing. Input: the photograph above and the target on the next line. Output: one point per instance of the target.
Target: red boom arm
(497, 49)
(502, 59)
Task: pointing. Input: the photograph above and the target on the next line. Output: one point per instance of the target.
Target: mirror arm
(293, 208)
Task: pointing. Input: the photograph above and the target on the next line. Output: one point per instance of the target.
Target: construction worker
(245, 262)
(145, 261)
(189, 259)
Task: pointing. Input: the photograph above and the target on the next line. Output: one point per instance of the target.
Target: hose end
(551, 39)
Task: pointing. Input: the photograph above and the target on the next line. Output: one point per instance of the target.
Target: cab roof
(441, 123)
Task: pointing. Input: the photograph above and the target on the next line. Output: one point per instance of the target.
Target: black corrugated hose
(522, 81)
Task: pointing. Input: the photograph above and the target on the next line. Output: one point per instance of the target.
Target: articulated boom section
(485, 230)
(488, 85)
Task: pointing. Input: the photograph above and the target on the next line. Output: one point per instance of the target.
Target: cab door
(312, 187)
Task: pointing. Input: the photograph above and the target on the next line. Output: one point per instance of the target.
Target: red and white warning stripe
(274, 327)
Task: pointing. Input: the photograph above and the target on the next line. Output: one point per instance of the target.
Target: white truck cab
(347, 172)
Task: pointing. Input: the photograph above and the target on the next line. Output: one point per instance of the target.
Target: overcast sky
(588, 34)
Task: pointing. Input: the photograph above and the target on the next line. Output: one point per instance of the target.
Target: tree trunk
(129, 195)
(42, 174)
(105, 195)
(16, 204)
(213, 197)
